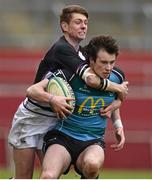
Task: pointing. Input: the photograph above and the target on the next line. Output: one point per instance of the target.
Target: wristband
(117, 123)
(103, 84)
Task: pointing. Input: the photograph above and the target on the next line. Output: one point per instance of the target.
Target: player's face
(77, 27)
(104, 63)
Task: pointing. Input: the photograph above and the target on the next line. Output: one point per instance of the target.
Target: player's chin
(105, 75)
(82, 37)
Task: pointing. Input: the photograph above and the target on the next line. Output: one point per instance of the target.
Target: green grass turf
(105, 174)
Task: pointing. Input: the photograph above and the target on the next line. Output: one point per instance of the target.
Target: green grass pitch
(105, 174)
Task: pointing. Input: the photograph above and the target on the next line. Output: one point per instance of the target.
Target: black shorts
(73, 146)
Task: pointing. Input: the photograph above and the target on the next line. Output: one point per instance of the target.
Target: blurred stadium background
(28, 28)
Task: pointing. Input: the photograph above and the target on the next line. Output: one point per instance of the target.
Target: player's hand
(120, 137)
(123, 90)
(107, 111)
(60, 106)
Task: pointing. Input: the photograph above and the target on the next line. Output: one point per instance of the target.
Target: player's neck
(73, 42)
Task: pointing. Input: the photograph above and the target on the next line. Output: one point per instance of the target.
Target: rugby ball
(59, 87)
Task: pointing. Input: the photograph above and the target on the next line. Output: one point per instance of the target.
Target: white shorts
(28, 128)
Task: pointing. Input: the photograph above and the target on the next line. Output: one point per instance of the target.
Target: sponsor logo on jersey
(90, 106)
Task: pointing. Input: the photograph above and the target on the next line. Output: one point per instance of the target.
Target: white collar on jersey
(81, 56)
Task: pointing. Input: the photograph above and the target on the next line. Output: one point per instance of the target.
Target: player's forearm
(94, 81)
(115, 115)
(40, 96)
(114, 87)
(37, 92)
(116, 119)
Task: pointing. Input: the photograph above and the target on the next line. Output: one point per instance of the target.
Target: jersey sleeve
(118, 77)
(119, 73)
(58, 73)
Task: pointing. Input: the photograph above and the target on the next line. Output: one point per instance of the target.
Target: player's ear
(64, 26)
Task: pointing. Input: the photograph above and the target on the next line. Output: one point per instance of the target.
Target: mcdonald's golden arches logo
(93, 104)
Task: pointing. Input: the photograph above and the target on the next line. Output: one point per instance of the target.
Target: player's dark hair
(66, 13)
(101, 42)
